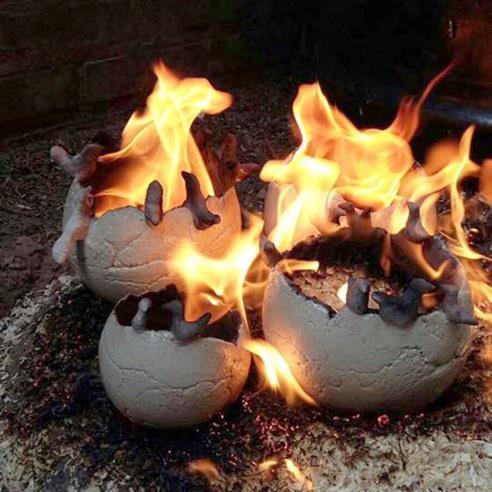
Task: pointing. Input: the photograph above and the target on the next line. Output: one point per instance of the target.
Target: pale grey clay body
(358, 362)
(154, 381)
(124, 254)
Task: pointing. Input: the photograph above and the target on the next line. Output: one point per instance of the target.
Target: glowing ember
(206, 468)
(303, 480)
(276, 372)
(157, 144)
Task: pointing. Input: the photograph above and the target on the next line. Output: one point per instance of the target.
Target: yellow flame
(157, 144)
(298, 475)
(365, 167)
(292, 468)
(213, 284)
(276, 372)
(374, 169)
(267, 465)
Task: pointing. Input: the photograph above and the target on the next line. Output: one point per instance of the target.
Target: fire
(374, 169)
(157, 143)
(342, 292)
(336, 159)
(267, 465)
(486, 180)
(206, 468)
(216, 285)
(303, 480)
(299, 476)
(276, 372)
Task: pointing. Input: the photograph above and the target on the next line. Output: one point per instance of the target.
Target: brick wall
(61, 59)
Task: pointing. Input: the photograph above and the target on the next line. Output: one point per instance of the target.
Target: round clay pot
(358, 362)
(155, 381)
(123, 254)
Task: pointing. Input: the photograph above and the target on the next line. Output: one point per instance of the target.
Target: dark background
(63, 61)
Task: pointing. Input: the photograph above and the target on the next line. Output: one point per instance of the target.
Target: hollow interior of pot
(339, 261)
(159, 318)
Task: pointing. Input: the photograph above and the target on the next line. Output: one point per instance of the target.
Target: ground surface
(59, 432)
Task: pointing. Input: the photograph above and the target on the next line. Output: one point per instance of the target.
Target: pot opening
(165, 307)
(340, 261)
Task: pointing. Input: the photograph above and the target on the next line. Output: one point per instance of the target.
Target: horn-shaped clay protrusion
(203, 139)
(76, 227)
(139, 321)
(414, 230)
(81, 166)
(358, 295)
(458, 305)
(153, 203)
(269, 253)
(359, 225)
(196, 204)
(402, 310)
(182, 330)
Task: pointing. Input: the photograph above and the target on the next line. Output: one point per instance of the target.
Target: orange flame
(448, 177)
(374, 169)
(216, 285)
(157, 143)
(486, 180)
(276, 372)
(365, 167)
(206, 468)
(291, 467)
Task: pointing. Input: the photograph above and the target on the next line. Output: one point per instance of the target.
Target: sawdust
(325, 284)
(447, 448)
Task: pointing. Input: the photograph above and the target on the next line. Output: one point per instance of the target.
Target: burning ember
(128, 209)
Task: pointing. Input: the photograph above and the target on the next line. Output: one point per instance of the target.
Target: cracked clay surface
(155, 381)
(359, 362)
(122, 254)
